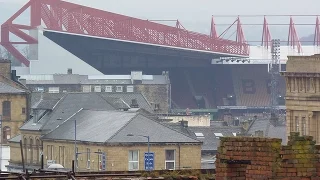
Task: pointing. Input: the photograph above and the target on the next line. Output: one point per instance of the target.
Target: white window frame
(86, 88)
(199, 135)
(120, 87)
(130, 89)
(218, 135)
(170, 161)
(40, 89)
(97, 88)
(133, 161)
(53, 89)
(108, 89)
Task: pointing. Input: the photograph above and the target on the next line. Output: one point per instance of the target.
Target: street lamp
(148, 138)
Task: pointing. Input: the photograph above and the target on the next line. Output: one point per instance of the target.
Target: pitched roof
(67, 106)
(128, 97)
(114, 126)
(209, 139)
(264, 125)
(6, 88)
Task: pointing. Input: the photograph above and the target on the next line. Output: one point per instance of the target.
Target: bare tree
(26, 52)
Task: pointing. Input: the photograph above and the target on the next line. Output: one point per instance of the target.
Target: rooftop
(6, 88)
(53, 109)
(114, 126)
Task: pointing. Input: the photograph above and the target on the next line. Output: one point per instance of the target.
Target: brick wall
(251, 158)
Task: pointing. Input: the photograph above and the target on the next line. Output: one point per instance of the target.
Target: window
(6, 134)
(133, 160)
(119, 89)
(99, 160)
(108, 89)
(97, 89)
(308, 84)
(23, 110)
(54, 90)
(303, 126)
(234, 134)
(297, 123)
(6, 110)
(38, 150)
(77, 160)
(88, 158)
(86, 88)
(61, 155)
(50, 153)
(31, 150)
(170, 159)
(218, 135)
(40, 89)
(129, 88)
(199, 135)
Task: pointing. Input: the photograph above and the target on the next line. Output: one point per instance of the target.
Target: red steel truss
(293, 38)
(266, 36)
(68, 17)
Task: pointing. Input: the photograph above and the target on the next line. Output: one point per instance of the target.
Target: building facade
(155, 88)
(14, 100)
(303, 95)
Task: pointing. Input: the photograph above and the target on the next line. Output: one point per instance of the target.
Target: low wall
(252, 158)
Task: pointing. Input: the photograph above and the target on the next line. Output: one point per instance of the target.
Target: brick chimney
(5, 68)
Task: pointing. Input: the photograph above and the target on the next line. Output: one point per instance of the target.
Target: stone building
(156, 88)
(303, 95)
(103, 123)
(14, 100)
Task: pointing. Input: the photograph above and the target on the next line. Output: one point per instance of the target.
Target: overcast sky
(196, 14)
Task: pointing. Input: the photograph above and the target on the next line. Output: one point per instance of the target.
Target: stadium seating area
(250, 85)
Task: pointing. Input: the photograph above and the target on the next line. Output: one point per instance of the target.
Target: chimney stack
(69, 71)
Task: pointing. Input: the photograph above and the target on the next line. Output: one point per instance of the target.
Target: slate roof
(68, 105)
(278, 131)
(16, 139)
(48, 98)
(114, 126)
(210, 141)
(6, 88)
(127, 98)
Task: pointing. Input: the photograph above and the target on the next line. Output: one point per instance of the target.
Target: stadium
(206, 72)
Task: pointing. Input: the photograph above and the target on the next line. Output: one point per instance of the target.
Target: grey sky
(195, 14)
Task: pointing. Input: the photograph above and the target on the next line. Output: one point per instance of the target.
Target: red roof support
(266, 36)
(316, 40)
(64, 16)
(213, 31)
(293, 38)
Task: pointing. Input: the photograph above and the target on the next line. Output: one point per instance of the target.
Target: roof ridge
(125, 125)
(62, 98)
(65, 121)
(170, 128)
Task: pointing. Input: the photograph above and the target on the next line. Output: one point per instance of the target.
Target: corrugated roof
(6, 88)
(114, 126)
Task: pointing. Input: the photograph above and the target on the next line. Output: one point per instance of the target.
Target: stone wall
(251, 158)
(5, 68)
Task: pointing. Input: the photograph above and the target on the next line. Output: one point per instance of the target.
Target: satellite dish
(56, 166)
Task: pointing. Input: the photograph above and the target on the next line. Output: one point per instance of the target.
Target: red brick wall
(252, 158)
